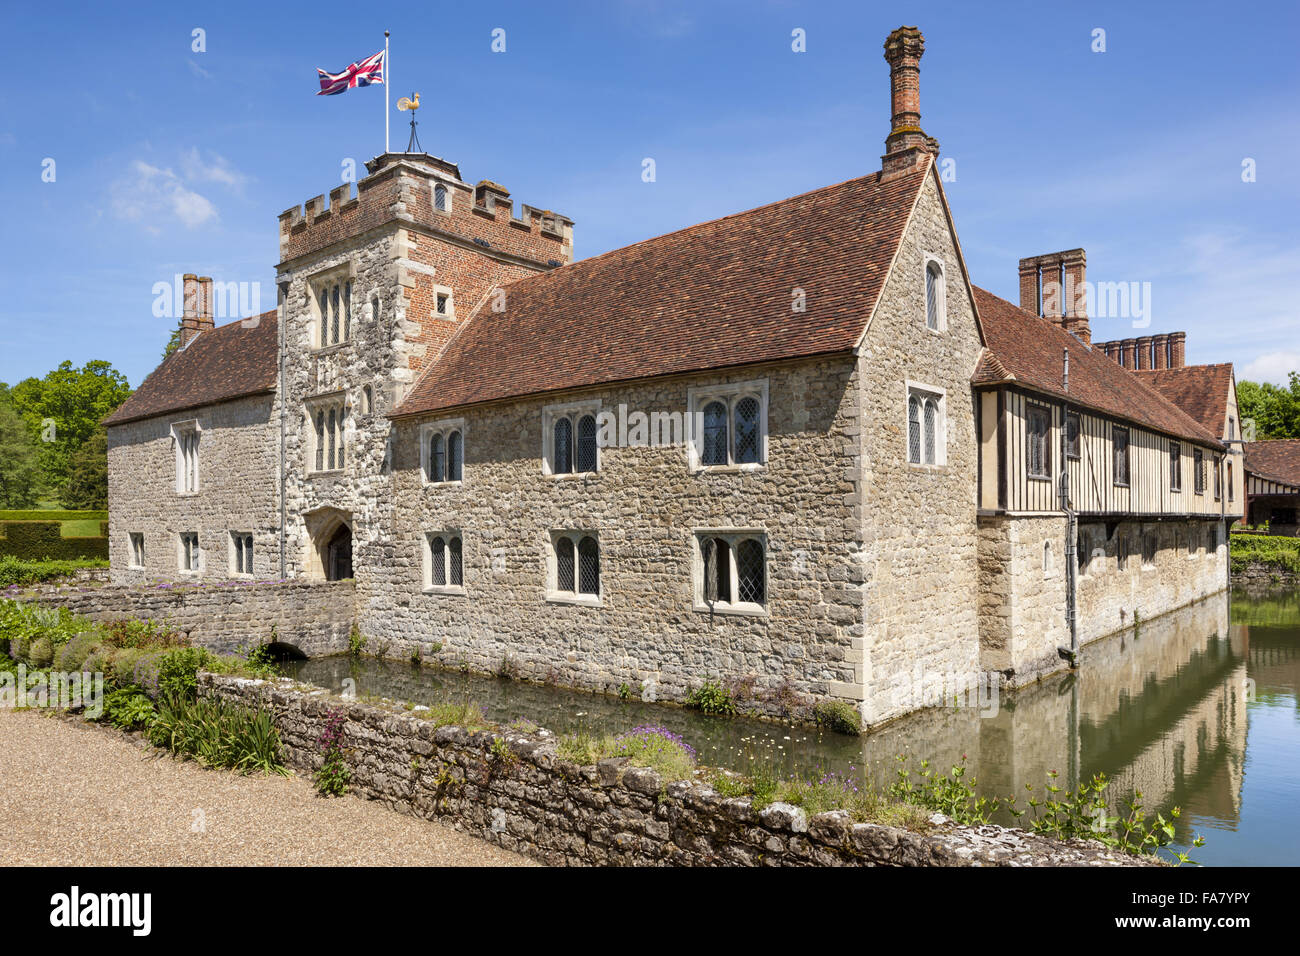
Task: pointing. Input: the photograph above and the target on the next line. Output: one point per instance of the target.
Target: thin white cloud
(1275, 367)
(215, 169)
(151, 195)
(198, 70)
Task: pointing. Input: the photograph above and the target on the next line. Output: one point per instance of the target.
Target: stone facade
(237, 492)
(1023, 568)
(917, 522)
(534, 802)
(313, 618)
(644, 505)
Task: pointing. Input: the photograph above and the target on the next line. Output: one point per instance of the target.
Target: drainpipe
(1071, 529)
(283, 288)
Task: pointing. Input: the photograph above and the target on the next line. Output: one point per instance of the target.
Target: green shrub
(97, 661)
(16, 571)
(333, 776)
(74, 653)
(121, 665)
(356, 641)
(41, 653)
(645, 746)
(172, 672)
(219, 735)
(839, 716)
(1278, 553)
(128, 708)
(468, 715)
(712, 698)
(134, 632)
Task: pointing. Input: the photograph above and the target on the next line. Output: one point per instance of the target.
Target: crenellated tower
(371, 287)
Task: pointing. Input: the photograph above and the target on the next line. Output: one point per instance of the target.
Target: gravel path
(75, 795)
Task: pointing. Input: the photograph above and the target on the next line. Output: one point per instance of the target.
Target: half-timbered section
(1273, 485)
(1100, 499)
(1208, 393)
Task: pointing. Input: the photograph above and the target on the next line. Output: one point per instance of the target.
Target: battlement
(429, 194)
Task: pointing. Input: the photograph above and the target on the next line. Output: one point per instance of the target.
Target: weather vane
(411, 103)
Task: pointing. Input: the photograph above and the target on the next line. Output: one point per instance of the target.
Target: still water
(1200, 709)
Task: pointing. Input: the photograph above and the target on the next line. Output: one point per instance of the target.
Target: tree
(1274, 410)
(63, 410)
(18, 470)
(173, 343)
(86, 488)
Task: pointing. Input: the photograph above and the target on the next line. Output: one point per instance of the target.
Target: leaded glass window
(586, 456)
(588, 566)
(438, 561)
(714, 451)
(454, 456)
(746, 428)
(564, 564)
(563, 448)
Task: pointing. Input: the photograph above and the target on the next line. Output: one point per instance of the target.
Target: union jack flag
(370, 70)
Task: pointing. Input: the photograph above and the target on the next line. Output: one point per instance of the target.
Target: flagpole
(387, 74)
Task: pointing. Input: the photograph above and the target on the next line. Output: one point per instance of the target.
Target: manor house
(794, 449)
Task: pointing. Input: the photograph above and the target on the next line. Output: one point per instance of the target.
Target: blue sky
(169, 160)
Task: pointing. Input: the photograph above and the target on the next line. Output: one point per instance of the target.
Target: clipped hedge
(53, 515)
(44, 541)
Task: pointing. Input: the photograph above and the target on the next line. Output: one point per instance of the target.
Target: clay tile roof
(227, 362)
(1199, 390)
(1278, 459)
(1029, 350)
(713, 295)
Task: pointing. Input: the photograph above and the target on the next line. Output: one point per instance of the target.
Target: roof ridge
(704, 290)
(570, 266)
(1052, 328)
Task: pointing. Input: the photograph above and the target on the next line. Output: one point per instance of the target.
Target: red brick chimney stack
(196, 314)
(206, 320)
(1161, 344)
(1053, 286)
(1178, 346)
(1074, 265)
(1029, 285)
(189, 308)
(906, 146)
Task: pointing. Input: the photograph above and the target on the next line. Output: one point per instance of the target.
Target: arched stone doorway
(338, 555)
(329, 554)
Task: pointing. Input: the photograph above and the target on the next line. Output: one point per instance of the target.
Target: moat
(1198, 709)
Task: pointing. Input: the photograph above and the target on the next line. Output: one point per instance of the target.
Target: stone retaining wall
(314, 617)
(1260, 576)
(533, 802)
